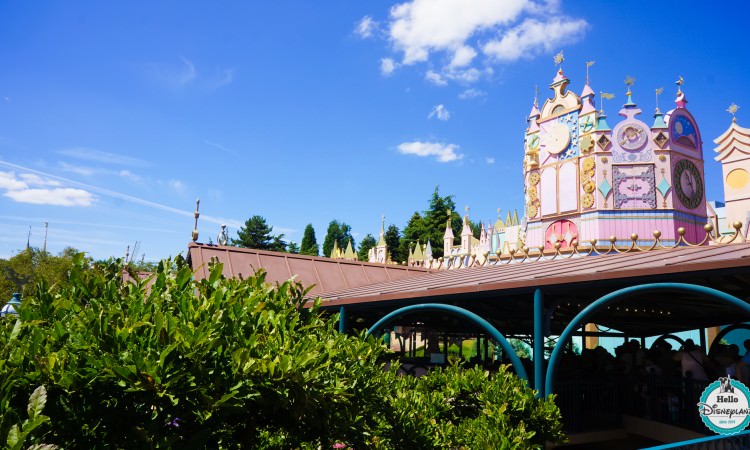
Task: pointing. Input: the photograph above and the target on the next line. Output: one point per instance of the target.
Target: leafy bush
(172, 362)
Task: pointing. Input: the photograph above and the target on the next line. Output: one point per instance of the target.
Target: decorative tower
(733, 152)
(448, 236)
(466, 234)
(381, 249)
(593, 182)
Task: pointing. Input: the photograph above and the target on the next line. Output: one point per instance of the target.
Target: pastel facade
(586, 181)
(733, 152)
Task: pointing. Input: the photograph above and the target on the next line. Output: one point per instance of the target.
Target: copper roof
(533, 274)
(323, 274)
(503, 293)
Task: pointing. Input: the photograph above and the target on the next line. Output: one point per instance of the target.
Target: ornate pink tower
(585, 181)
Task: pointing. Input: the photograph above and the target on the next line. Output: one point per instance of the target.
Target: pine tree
(258, 234)
(339, 232)
(392, 237)
(309, 245)
(415, 231)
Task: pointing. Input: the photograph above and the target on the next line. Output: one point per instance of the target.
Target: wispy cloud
(221, 147)
(93, 155)
(121, 196)
(366, 27)
(435, 78)
(440, 112)
(534, 37)
(177, 186)
(181, 75)
(442, 152)
(489, 160)
(29, 188)
(471, 93)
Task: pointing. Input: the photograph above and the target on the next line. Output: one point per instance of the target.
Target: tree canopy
(367, 243)
(338, 232)
(258, 234)
(309, 245)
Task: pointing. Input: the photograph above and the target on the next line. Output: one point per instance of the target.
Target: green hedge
(231, 363)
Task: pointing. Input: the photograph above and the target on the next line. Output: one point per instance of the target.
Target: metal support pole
(704, 346)
(342, 320)
(539, 342)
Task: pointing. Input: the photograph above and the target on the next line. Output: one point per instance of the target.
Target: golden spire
(196, 214)
(680, 81)
(629, 82)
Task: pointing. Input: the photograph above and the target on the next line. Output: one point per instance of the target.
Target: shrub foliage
(172, 362)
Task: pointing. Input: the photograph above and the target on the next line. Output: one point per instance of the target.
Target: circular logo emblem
(725, 406)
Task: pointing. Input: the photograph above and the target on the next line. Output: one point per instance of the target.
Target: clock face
(688, 184)
(632, 136)
(556, 139)
(586, 124)
(683, 132)
(533, 141)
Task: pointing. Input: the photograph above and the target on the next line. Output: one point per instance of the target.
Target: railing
(599, 403)
(739, 441)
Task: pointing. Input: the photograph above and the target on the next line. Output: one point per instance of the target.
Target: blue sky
(114, 117)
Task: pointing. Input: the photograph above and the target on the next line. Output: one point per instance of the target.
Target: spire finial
(658, 93)
(196, 214)
(536, 96)
(559, 58)
(498, 212)
(629, 81)
(588, 64)
(467, 209)
(680, 81)
(382, 225)
(733, 110)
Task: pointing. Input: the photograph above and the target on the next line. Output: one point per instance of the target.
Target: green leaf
(36, 402)
(14, 436)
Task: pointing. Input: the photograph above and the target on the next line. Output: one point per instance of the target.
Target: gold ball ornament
(533, 178)
(589, 187)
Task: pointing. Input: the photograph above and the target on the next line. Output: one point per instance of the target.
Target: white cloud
(24, 189)
(366, 27)
(387, 66)
(57, 196)
(533, 37)
(440, 112)
(463, 56)
(221, 147)
(454, 31)
(90, 154)
(8, 181)
(128, 175)
(36, 180)
(172, 76)
(443, 152)
(490, 160)
(421, 26)
(435, 78)
(471, 93)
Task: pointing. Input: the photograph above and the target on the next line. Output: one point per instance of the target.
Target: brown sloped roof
(560, 271)
(503, 293)
(324, 274)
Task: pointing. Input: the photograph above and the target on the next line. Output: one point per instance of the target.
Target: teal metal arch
(727, 330)
(664, 337)
(466, 314)
(618, 295)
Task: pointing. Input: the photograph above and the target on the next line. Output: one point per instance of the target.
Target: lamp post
(10, 307)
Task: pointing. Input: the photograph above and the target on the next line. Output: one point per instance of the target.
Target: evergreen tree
(367, 243)
(309, 244)
(414, 231)
(392, 238)
(435, 218)
(257, 234)
(340, 233)
(292, 247)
